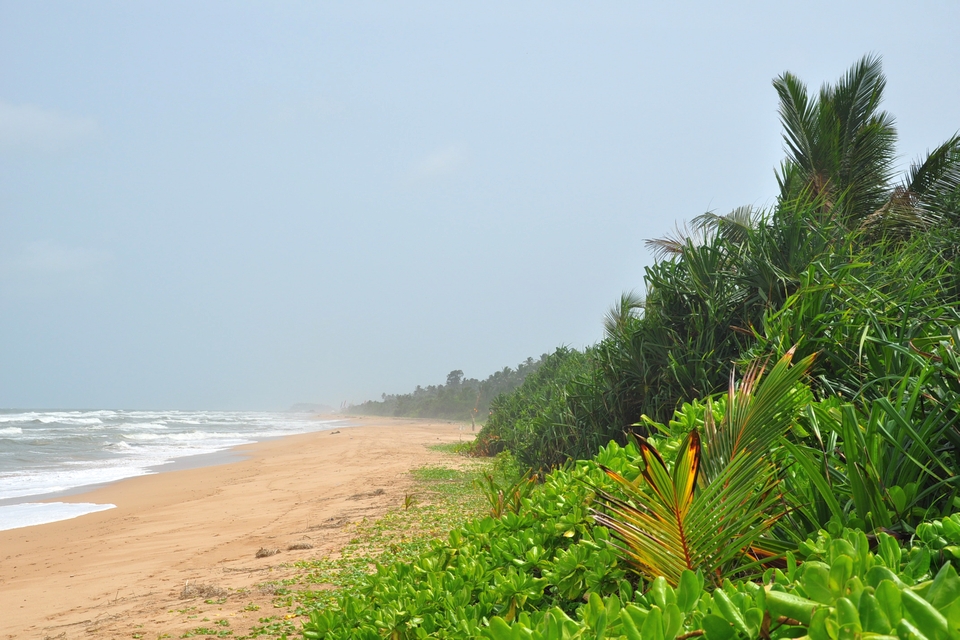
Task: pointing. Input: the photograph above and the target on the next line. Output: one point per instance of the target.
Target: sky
(247, 205)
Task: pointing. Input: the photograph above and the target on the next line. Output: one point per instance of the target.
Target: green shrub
(548, 572)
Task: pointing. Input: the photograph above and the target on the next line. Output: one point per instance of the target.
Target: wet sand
(122, 573)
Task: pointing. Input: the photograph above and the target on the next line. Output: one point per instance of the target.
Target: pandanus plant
(710, 510)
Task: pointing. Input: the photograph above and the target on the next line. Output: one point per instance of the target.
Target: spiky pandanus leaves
(713, 506)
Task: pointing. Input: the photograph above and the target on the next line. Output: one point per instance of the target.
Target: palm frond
(733, 227)
(675, 243)
(667, 526)
(618, 318)
(758, 413)
(798, 117)
(672, 520)
(914, 205)
(840, 146)
(940, 169)
(936, 177)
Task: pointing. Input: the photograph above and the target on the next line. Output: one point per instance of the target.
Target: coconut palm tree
(840, 150)
(715, 279)
(840, 145)
(928, 195)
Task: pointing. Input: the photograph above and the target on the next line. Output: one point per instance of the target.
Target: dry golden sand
(121, 573)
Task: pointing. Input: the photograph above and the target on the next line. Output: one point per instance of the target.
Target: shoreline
(209, 459)
(104, 573)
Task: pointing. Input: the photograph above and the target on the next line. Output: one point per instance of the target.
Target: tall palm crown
(840, 153)
(840, 145)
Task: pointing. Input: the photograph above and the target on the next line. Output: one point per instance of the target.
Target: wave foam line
(28, 514)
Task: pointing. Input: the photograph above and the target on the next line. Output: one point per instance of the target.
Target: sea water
(47, 453)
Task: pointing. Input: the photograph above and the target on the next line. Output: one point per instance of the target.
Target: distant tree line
(458, 399)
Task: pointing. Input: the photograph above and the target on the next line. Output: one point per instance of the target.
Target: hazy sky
(244, 205)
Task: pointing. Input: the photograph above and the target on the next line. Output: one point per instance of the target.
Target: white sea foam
(19, 417)
(40, 482)
(142, 436)
(204, 435)
(29, 514)
(68, 420)
(51, 451)
(142, 425)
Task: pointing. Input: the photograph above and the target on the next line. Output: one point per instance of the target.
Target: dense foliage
(811, 495)
(850, 263)
(665, 537)
(458, 399)
(546, 570)
(522, 421)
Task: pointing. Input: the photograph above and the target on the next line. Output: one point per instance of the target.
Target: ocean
(45, 454)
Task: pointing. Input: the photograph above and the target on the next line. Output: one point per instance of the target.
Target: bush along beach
(854, 262)
(681, 535)
(458, 399)
(765, 446)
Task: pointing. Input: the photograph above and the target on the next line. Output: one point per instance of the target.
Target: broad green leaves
(848, 593)
(548, 573)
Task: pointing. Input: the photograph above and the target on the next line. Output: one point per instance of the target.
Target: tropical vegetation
(458, 399)
(852, 263)
(547, 569)
(766, 445)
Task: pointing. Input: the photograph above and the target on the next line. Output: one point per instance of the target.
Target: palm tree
(840, 151)
(928, 195)
(840, 145)
(716, 279)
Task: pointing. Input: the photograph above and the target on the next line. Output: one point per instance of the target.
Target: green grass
(452, 447)
(437, 474)
(442, 499)
(208, 632)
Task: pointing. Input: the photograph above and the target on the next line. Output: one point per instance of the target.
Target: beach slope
(180, 547)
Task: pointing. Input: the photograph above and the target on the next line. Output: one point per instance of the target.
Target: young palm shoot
(709, 511)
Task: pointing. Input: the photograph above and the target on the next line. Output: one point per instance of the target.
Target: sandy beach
(121, 573)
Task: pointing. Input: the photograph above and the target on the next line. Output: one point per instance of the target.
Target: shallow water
(45, 453)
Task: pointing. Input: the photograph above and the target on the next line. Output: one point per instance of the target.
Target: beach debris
(369, 494)
(197, 590)
(333, 433)
(266, 553)
(299, 546)
(330, 523)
